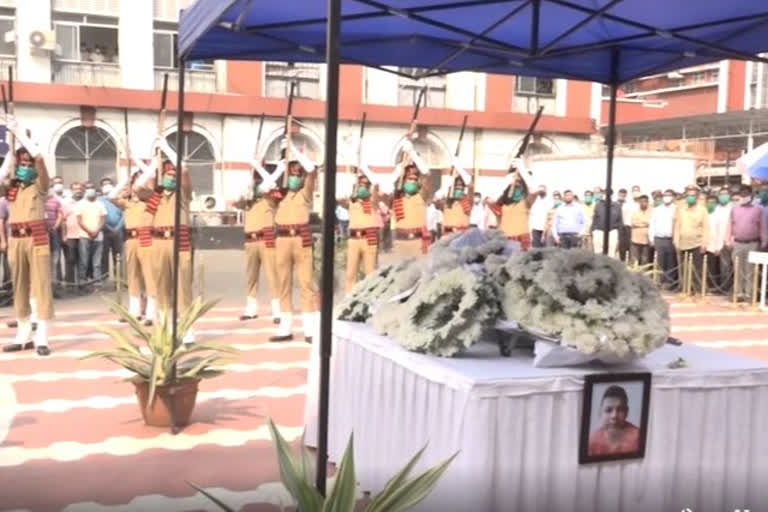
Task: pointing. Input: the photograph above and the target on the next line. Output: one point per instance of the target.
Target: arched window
(86, 154)
(200, 160)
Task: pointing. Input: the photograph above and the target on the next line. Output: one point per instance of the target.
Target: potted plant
(401, 492)
(160, 397)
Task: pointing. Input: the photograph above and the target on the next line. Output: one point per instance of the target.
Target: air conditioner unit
(42, 40)
(208, 203)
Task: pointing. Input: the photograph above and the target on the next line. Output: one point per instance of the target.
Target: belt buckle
(22, 231)
(254, 236)
(292, 232)
(134, 233)
(411, 235)
(166, 234)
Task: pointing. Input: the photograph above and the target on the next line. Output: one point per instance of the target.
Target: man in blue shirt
(113, 228)
(569, 223)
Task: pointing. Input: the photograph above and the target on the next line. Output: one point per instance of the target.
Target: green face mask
(724, 198)
(557, 203)
(26, 174)
(587, 201)
(169, 183)
(411, 187)
(711, 207)
(764, 197)
(690, 200)
(598, 197)
(657, 202)
(363, 192)
(458, 193)
(517, 194)
(294, 183)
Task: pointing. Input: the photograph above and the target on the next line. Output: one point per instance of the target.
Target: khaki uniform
(162, 254)
(293, 251)
(138, 247)
(362, 245)
(28, 251)
(260, 245)
(456, 216)
(411, 235)
(514, 221)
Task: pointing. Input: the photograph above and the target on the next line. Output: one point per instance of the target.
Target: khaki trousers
(31, 274)
(138, 269)
(162, 270)
(293, 260)
(359, 250)
(405, 249)
(256, 255)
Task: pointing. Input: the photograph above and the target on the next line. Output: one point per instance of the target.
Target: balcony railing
(99, 74)
(195, 80)
(5, 62)
(102, 7)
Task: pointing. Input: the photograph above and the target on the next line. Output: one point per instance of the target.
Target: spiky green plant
(198, 361)
(400, 493)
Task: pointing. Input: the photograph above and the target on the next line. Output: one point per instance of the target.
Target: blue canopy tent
(607, 41)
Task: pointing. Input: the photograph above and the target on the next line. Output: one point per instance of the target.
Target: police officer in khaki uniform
(259, 206)
(456, 198)
(409, 204)
(28, 249)
(127, 195)
(513, 205)
(162, 205)
(362, 245)
(293, 248)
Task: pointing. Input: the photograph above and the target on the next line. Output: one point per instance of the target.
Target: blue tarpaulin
(552, 38)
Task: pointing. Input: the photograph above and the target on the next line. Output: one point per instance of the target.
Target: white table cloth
(517, 428)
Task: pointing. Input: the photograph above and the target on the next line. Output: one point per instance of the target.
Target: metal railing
(5, 63)
(100, 74)
(195, 80)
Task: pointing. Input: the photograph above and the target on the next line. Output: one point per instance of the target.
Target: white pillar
(748, 85)
(596, 102)
(137, 44)
(32, 15)
(561, 97)
(758, 101)
(722, 87)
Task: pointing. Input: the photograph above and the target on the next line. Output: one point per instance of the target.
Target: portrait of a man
(614, 417)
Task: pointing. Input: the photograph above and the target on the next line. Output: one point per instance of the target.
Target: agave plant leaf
(123, 313)
(410, 493)
(308, 464)
(201, 365)
(197, 309)
(217, 501)
(341, 498)
(153, 377)
(184, 352)
(397, 480)
(305, 495)
(140, 368)
(121, 339)
(209, 373)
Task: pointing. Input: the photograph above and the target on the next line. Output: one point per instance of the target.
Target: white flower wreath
(385, 283)
(592, 303)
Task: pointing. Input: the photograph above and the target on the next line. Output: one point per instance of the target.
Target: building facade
(88, 75)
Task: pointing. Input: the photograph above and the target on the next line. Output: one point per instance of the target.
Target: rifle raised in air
(409, 135)
(458, 151)
(524, 145)
(286, 153)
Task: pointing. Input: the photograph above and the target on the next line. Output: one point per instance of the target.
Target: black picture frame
(589, 456)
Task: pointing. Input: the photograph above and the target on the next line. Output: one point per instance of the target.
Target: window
(409, 89)
(199, 159)
(534, 86)
(698, 77)
(303, 143)
(77, 42)
(279, 75)
(86, 154)
(108, 7)
(7, 49)
(165, 46)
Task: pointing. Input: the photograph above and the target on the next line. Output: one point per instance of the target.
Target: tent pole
(329, 215)
(611, 143)
(176, 222)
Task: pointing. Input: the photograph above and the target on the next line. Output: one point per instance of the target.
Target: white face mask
(745, 200)
(58, 189)
(90, 193)
(106, 189)
(477, 200)
(668, 199)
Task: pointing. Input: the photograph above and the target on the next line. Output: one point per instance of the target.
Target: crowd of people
(85, 233)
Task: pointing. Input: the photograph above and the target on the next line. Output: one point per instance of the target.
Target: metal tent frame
(515, 38)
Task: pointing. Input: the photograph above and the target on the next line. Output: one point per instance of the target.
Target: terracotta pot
(159, 414)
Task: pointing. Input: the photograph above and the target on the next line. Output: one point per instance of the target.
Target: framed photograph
(614, 418)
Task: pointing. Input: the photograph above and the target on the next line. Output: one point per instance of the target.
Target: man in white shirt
(719, 263)
(477, 215)
(538, 217)
(660, 234)
(434, 219)
(91, 215)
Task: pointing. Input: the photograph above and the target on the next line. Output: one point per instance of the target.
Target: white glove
(13, 125)
(368, 173)
(279, 170)
(386, 183)
(169, 153)
(256, 166)
(407, 146)
(442, 192)
(283, 143)
(303, 159)
(6, 167)
(461, 171)
(148, 172)
(420, 164)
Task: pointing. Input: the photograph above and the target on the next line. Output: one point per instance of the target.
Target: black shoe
(244, 318)
(43, 351)
(122, 320)
(276, 320)
(12, 324)
(34, 326)
(278, 339)
(17, 347)
(147, 323)
(308, 339)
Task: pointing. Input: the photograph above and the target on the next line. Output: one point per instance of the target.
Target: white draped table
(517, 428)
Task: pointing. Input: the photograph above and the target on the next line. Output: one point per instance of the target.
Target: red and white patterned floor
(72, 438)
